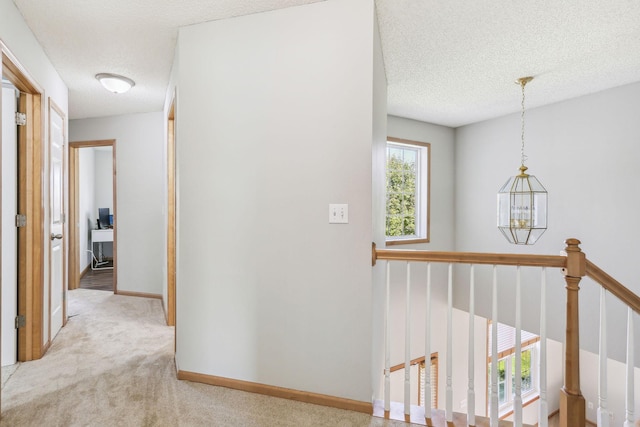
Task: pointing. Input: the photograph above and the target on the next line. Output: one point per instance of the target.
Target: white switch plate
(338, 214)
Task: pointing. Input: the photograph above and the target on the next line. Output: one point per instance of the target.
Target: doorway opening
(93, 214)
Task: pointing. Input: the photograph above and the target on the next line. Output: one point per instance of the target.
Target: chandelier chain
(523, 157)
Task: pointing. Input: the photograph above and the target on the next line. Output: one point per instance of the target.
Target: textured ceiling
(447, 62)
(133, 38)
(454, 62)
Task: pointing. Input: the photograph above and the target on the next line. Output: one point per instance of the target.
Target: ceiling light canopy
(115, 83)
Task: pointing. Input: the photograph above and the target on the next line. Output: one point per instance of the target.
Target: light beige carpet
(112, 365)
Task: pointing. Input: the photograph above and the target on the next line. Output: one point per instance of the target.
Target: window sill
(526, 401)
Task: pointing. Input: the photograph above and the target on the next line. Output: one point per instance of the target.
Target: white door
(56, 197)
(9, 231)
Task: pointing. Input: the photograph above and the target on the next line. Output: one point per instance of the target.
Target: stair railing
(609, 284)
(574, 266)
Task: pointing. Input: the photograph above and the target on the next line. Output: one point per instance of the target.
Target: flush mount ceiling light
(522, 200)
(115, 83)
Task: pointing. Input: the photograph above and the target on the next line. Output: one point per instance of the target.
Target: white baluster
(494, 417)
(603, 412)
(471, 396)
(407, 348)
(628, 422)
(387, 346)
(517, 398)
(427, 352)
(543, 408)
(449, 390)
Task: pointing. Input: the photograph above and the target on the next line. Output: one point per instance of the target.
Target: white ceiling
(447, 62)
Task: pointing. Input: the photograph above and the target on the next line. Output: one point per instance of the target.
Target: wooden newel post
(572, 405)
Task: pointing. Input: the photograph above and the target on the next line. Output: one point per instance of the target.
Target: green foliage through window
(507, 376)
(402, 170)
(525, 371)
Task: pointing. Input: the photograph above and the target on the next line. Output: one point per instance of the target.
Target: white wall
(104, 178)
(378, 180)
(584, 152)
(20, 41)
(140, 183)
(616, 387)
(86, 203)
(271, 128)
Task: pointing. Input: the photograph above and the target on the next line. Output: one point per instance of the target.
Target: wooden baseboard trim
(138, 294)
(45, 347)
(281, 392)
(166, 318)
(85, 271)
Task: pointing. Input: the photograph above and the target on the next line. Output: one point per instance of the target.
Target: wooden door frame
(31, 203)
(74, 194)
(171, 216)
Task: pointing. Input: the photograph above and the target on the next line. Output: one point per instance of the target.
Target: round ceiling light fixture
(115, 83)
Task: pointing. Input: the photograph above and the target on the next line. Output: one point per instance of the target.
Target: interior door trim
(31, 203)
(74, 238)
(171, 217)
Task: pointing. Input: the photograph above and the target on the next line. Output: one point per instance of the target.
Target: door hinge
(21, 119)
(21, 220)
(21, 321)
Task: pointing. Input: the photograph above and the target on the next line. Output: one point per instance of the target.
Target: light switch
(338, 214)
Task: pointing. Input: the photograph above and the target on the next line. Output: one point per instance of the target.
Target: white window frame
(423, 178)
(527, 396)
(506, 351)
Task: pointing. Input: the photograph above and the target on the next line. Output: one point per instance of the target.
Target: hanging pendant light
(522, 200)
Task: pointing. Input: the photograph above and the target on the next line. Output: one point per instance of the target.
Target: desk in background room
(100, 236)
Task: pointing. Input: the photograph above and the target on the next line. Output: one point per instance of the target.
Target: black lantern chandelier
(522, 200)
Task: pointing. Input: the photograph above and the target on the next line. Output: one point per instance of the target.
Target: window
(507, 368)
(407, 170)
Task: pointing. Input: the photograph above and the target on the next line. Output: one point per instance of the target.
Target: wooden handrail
(612, 285)
(592, 271)
(413, 362)
(574, 267)
(524, 260)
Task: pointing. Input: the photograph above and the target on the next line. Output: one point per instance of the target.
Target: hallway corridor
(113, 365)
